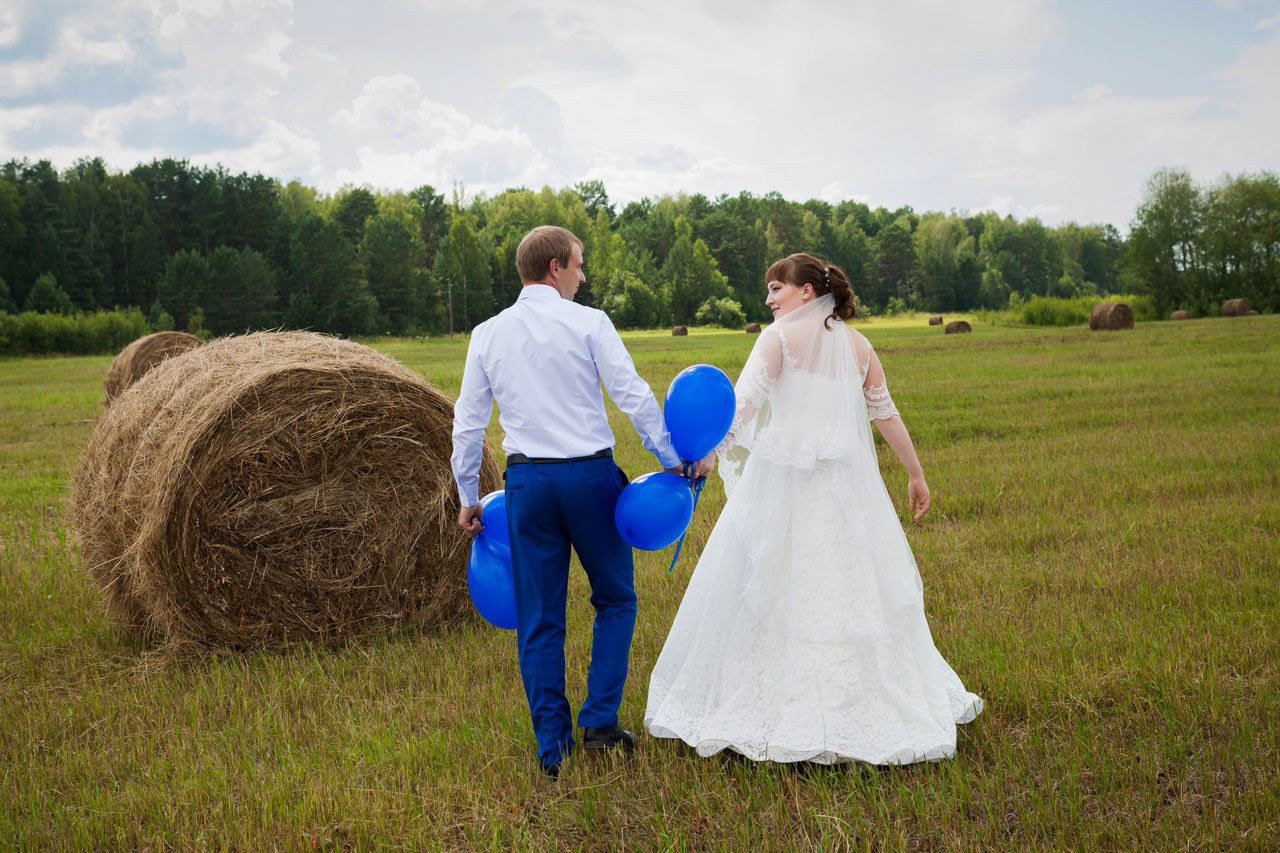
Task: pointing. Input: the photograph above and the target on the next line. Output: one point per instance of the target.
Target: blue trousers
(550, 508)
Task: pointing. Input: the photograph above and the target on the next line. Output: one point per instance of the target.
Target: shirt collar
(544, 292)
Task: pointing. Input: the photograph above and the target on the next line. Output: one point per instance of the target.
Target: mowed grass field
(1102, 565)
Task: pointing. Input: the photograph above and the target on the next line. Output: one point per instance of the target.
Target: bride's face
(784, 298)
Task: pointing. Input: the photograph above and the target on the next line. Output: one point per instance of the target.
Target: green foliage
(32, 333)
(5, 304)
(896, 305)
(195, 324)
(690, 275)
(723, 311)
(185, 282)
(1058, 311)
(462, 266)
(633, 304)
(393, 257)
(46, 296)
(352, 212)
(1052, 311)
(325, 290)
(169, 229)
(159, 319)
(240, 293)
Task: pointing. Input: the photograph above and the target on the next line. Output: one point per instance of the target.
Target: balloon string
(697, 492)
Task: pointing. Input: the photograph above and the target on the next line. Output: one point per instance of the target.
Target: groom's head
(551, 255)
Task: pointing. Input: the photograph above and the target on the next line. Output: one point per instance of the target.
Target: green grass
(1100, 565)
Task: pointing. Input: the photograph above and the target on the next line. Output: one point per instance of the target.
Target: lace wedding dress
(802, 634)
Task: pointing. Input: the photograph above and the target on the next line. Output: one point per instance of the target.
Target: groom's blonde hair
(539, 246)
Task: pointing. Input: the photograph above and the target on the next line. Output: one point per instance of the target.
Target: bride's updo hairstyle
(801, 269)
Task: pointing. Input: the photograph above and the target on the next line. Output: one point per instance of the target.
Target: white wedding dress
(802, 635)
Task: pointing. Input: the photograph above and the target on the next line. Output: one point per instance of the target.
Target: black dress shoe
(551, 771)
(608, 738)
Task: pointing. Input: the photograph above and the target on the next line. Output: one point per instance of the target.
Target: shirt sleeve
(632, 394)
(471, 415)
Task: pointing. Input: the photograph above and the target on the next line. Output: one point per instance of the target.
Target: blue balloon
(494, 517)
(493, 591)
(699, 410)
(654, 510)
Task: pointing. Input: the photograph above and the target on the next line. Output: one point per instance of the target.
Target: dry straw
(142, 355)
(274, 488)
(1110, 316)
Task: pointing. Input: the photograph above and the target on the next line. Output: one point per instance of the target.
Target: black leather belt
(521, 459)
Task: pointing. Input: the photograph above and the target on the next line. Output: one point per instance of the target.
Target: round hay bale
(679, 331)
(1253, 312)
(142, 355)
(1236, 308)
(1180, 315)
(935, 320)
(753, 328)
(956, 327)
(1110, 316)
(272, 488)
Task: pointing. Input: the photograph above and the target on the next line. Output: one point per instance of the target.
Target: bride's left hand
(918, 497)
(704, 466)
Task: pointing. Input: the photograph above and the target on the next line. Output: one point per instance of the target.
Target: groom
(543, 360)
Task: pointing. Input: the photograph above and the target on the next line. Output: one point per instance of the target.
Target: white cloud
(912, 103)
(10, 25)
(404, 139)
(72, 48)
(277, 150)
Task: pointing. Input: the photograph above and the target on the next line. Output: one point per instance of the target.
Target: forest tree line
(201, 248)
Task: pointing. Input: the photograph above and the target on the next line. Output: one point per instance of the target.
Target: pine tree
(47, 297)
(690, 275)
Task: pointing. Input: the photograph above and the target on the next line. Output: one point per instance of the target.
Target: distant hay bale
(956, 327)
(1110, 316)
(935, 320)
(274, 488)
(1180, 315)
(1236, 308)
(679, 331)
(753, 328)
(1253, 312)
(142, 355)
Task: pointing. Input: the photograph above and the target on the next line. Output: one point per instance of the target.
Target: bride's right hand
(918, 497)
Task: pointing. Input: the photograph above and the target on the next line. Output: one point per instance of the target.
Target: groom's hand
(469, 519)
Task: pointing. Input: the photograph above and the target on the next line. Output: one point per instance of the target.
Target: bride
(802, 635)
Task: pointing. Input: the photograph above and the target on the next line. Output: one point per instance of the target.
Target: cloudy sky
(1053, 109)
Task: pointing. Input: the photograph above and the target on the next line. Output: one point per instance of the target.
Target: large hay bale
(1180, 315)
(272, 488)
(1109, 316)
(957, 327)
(753, 328)
(679, 331)
(142, 355)
(1236, 308)
(935, 320)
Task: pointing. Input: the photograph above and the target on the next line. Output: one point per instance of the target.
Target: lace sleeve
(880, 405)
(752, 395)
(753, 386)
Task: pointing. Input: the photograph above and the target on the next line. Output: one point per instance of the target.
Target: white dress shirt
(543, 360)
